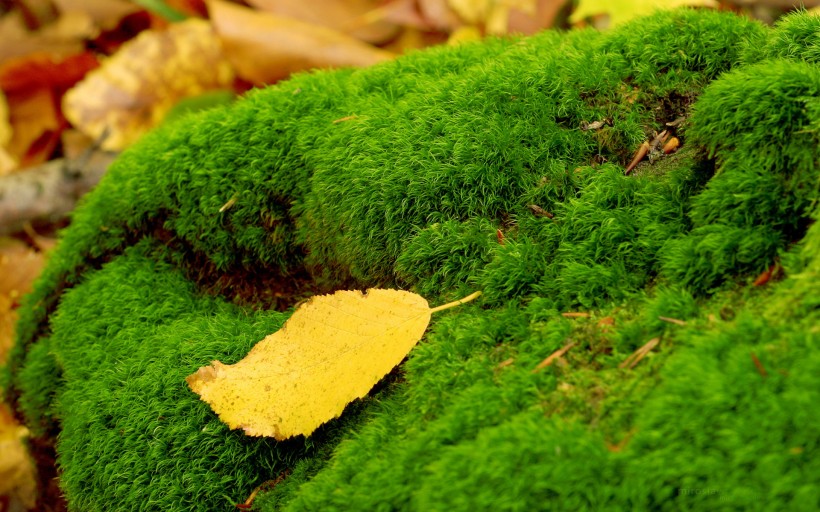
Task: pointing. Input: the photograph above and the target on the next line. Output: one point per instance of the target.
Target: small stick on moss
(270, 484)
(671, 320)
(553, 357)
(639, 354)
(231, 202)
(659, 139)
(455, 303)
(639, 155)
(537, 210)
(505, 363)
(345, 118)
(571, 314)
(760, 368)
(767, 274)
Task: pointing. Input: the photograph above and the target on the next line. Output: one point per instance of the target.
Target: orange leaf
(36, 125)
(265, 48)
(44, 70)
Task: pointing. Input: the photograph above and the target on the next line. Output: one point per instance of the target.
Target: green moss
(404, 174)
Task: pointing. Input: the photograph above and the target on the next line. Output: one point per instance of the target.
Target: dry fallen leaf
(332, 350)
(17, 482)
(347, 16)
(133, 90)
(19, 266)
(36, 123)
(104, 13)
(492, 14)
(546, 12)
(7, 162)
(265, 48)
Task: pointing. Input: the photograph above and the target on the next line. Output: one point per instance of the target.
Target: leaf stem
(455, 303)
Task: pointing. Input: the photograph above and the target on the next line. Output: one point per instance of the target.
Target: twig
(346, 118)
(639, 155)
(268, 485)
(455, 303)
(671, 320)
(571, 314)
(639, 354)
(555, 355)
(760, 368)
(49, 191)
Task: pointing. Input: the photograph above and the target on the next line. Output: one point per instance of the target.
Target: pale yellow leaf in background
(331, 351)
(133, 90)
(265, 48)
(620, 11)
(493, 14)
(343, 15)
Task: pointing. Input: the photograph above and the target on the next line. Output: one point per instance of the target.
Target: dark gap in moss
(261, 287)
(49, 497)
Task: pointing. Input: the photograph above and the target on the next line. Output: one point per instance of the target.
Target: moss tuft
(497, 166)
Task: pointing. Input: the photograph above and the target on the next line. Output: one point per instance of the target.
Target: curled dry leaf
(332, 350)
(17, 482)
(346, 16)
(133, 90)
(19, 266)
(265, 48)
(7, 162)
(36, 123)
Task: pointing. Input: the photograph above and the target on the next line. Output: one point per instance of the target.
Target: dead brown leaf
(7, 162)
(19, 266)
(346, 16)
(36, 125)
(17, 481)
(133, 90)
(265, 48)
(103, 13)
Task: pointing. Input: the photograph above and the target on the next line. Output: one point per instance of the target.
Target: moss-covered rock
(496, 166)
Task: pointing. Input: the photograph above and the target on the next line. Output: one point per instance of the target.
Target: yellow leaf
(493, 14)
(133, 90)
(332, 350)
(620, 11)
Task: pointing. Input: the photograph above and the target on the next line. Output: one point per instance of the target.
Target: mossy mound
(445, 171)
